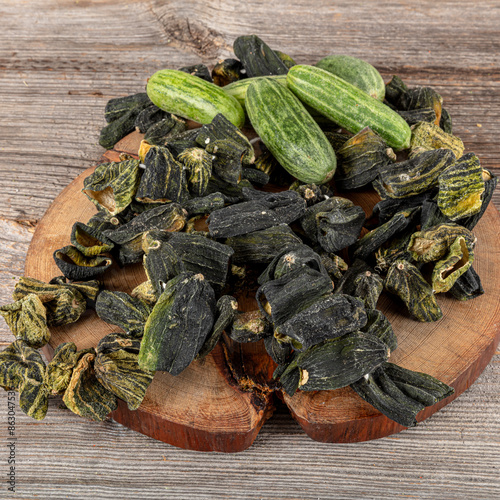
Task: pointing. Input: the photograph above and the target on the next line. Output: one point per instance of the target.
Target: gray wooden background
(60, 61)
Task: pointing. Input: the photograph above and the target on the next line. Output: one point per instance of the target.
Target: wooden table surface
(60, 61)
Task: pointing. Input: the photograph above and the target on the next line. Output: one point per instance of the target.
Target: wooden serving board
(220, 403)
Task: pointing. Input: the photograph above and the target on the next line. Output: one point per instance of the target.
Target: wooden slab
(221, 403)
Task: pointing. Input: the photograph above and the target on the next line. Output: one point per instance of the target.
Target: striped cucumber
(238, 89)
(345, 104)
(289, 132)
(191, 97)
(356, 71)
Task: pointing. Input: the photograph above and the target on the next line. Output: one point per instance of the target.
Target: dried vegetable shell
(160, 133)
(250, 327)
(368, 287)
(420, 98)
(89, 289)
(168, 218)
(177, 327)
(406, 281)
(433, 243)
(204, 256)
(346, 283)
(22, 369)
(414, 176)
(289, 259)
(455, 263)
(445, 122)
(64, 303)
(309, 221)
(374, 239)
(164, 178)
(379, 326)
(389, 207)
(337, 363)
(27, 320)
(360, 158)
(161, 261)
(414, 116)
(121, 105)
(468, 286)
(149, 116)
(144, 292)
(310, 192)
(431, 136)
(340, 227)
(227, 71)
(395, 89)
(334, 266)
(75, 266)
(117, 369)
(384, 395)
(85, 395)
(282, 298)
(199, 166)
(225, 313)
(112, 186)
(204, 205)
(89, 240)
(124, 311)
(255, 175)
(394, 249)
(103, 220)
(60, 368)
(327, 318)
(221, 129)
(279, 352)
(461, 186)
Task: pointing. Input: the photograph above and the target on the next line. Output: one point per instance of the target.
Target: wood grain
(72, 60)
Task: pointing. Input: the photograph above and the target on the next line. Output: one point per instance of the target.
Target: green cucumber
(238, 89)
(289, 132)
(356, 71)
(346, 105)
(191, 97)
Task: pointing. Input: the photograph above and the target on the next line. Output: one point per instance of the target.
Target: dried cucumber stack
(316, 263)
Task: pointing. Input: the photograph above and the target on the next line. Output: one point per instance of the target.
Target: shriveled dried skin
(461, 187)
(413, 176)
(334, 266)
(327, 318)
(433, 243)
(468, 286)
(414, 116)
(204, 256)
(22, 369)
(226, 311)
(85, 395)
(420, 98)
(90, 241)
(456, 262)
(227, 71)
(113, 185)
(282, 298)
(278, 351)
(64, 303)
(260, 247)
(250, 327)
(289, 259)
(309, 221)
(394, 249)
(368, 287)
(336, 363)
(360, 159)
(379, 326)
(400, 393)
(204, 205)
(161, 261)
(339, 228)
(431, 136)
(145, 292)
(75, 266)
(389, 207)
(124, 311)
(199, 166)
(117, 369)
(177, 327)
(27, 320)
(164, 178)
(374, 239)
(406, 281)
(60, 368)
(169, 218)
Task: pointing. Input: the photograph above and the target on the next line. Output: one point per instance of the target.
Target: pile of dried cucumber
(321, 129)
